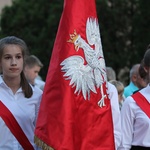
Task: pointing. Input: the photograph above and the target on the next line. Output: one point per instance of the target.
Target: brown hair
(142, 72)
(19, 42)
(32, 61)
(119, 85)
(146, 59)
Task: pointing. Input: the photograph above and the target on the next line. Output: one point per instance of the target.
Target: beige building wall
(4, 3)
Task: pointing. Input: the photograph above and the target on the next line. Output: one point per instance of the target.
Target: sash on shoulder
(142, 103)
(14, 127)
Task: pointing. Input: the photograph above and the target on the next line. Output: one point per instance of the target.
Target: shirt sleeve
(38, 102)
(113, 95)
(127, 121)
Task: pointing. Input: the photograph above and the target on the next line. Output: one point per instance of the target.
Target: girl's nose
(13, 62)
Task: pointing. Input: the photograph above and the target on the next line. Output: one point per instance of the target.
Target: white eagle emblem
(86, 77)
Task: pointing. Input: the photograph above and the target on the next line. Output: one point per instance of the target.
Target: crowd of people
(134, 103)
(20, 99)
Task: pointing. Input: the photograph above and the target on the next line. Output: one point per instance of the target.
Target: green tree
(36, 22)
(124, 27)
(115, 19)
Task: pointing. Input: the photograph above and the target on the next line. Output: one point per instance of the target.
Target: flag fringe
(41, 144)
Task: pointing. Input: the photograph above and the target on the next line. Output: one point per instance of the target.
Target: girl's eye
(7, 57)
(18, 57)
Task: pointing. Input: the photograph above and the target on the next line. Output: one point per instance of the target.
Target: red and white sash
(142, 103)
(14, 127)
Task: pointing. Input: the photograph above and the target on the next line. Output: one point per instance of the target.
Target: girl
(135, 114)
(19, 102)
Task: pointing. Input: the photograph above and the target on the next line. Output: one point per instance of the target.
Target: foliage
(36, 22)
(124, 27)
(124, 30)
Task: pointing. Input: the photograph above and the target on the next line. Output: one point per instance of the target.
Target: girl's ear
(146, 69)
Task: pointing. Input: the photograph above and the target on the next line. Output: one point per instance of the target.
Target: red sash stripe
(14, 127)
(142, 102)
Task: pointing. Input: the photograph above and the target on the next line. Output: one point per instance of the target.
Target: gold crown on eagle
(73, 37)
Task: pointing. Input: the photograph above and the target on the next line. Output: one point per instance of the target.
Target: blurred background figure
(123, 75)
(111, 74)
(144, 77)
(31, 70)
(135, 114)
(136, 82)
(120, 88)
(39, 82)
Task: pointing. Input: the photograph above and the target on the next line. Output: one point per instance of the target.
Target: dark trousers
(139, 148)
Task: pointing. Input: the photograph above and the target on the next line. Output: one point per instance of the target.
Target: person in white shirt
(135, 115)
(120, 88)
(19, 101)
(32, 68)
(113, 96)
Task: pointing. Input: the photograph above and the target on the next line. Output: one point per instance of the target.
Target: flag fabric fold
(71, 115)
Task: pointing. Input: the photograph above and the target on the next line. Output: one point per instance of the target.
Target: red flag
(75, 112)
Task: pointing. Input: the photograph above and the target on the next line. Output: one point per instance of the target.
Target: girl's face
(11, 61)
(120, 96)
(31, 73)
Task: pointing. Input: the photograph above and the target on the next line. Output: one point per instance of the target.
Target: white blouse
(135, 123)
(24, 110)
(113, 95)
